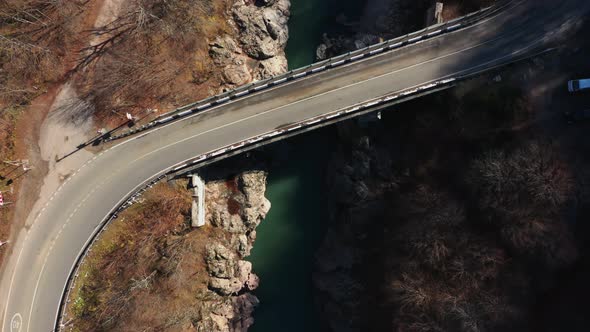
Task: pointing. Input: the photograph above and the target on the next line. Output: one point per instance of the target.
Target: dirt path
(55, 123)
(59, 121)
(68, 124)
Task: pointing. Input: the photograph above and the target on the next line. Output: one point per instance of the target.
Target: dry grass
(154, 53)
(8, 119)
(147, 269)
(34, 38)
(442, 276)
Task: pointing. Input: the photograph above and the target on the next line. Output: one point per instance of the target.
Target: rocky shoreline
(360, 177)
(257, 52)
(381, 20)
(257, 49)
(237, 206)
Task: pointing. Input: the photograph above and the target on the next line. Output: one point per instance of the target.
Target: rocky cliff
(256, 49)
(237, 207)
(381, 20)
(359, 178)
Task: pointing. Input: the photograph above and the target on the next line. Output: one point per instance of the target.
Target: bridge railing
(317, 67)
(253, 142)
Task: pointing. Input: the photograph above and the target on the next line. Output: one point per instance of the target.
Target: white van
(578, 85)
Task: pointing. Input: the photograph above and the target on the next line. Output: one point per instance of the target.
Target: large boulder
(237, 74)
(223, 50)
(244, 305)
(220, 261)
(224, 286)
(263, 31)
(271, 67)
(276, 25)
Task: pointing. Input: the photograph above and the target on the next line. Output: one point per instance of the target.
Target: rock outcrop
(254, 51)
(262, 32)
(358, 176)
(381, 20)
(237, 207)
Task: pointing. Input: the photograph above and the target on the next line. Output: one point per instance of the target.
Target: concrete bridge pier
(198, 205)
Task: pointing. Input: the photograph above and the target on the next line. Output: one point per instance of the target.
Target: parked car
(578, 85)
(577, 116)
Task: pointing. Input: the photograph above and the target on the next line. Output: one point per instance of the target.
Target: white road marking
(16, 323)
(158, 128)
(257, 139)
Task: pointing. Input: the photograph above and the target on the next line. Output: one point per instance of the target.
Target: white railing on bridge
(347, 58)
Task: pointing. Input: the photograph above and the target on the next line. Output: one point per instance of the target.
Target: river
(288, 237)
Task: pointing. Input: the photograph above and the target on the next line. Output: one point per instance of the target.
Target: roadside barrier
(62, 321)
(315, 68)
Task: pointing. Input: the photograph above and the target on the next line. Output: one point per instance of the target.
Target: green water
(309, 20)
(288, 237)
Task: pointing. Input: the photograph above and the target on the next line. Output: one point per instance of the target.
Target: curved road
(43, 256)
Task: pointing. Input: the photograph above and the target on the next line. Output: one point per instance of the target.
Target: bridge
(46, 254)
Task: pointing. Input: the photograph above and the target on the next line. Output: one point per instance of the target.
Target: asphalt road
(32, 285)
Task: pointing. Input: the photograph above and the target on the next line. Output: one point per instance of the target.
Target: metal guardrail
(74, 273)
(341, 60)
(61, 323)
(253, 142)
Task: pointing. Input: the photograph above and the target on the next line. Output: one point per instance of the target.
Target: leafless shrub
(410, 293)
(446, 276)
(531, 176)
(523, 193)
(545, 240)
(150, 53)
(430, 233)
(33, 38)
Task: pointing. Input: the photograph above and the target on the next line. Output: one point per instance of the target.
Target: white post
(438, 12)
(198, 206)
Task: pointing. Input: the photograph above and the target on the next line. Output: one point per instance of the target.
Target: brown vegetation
(522, 193)
(7, 152)
(457, 8)
(478, 214)
(151, 49)
(442, 276)
(147, 258)
(154, 53)
(34, 36)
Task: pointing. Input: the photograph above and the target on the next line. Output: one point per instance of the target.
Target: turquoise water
(309, 20)
(287, 239)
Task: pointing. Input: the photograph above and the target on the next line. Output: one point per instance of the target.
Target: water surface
(287, 239)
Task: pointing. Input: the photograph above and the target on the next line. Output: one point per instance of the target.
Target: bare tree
(522, 193)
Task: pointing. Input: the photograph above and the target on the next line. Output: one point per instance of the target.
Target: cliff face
(256, 50)
(360, 178)
(185, 279)
(235, 206)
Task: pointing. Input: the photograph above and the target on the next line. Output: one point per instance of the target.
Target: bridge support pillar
(198, 205)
